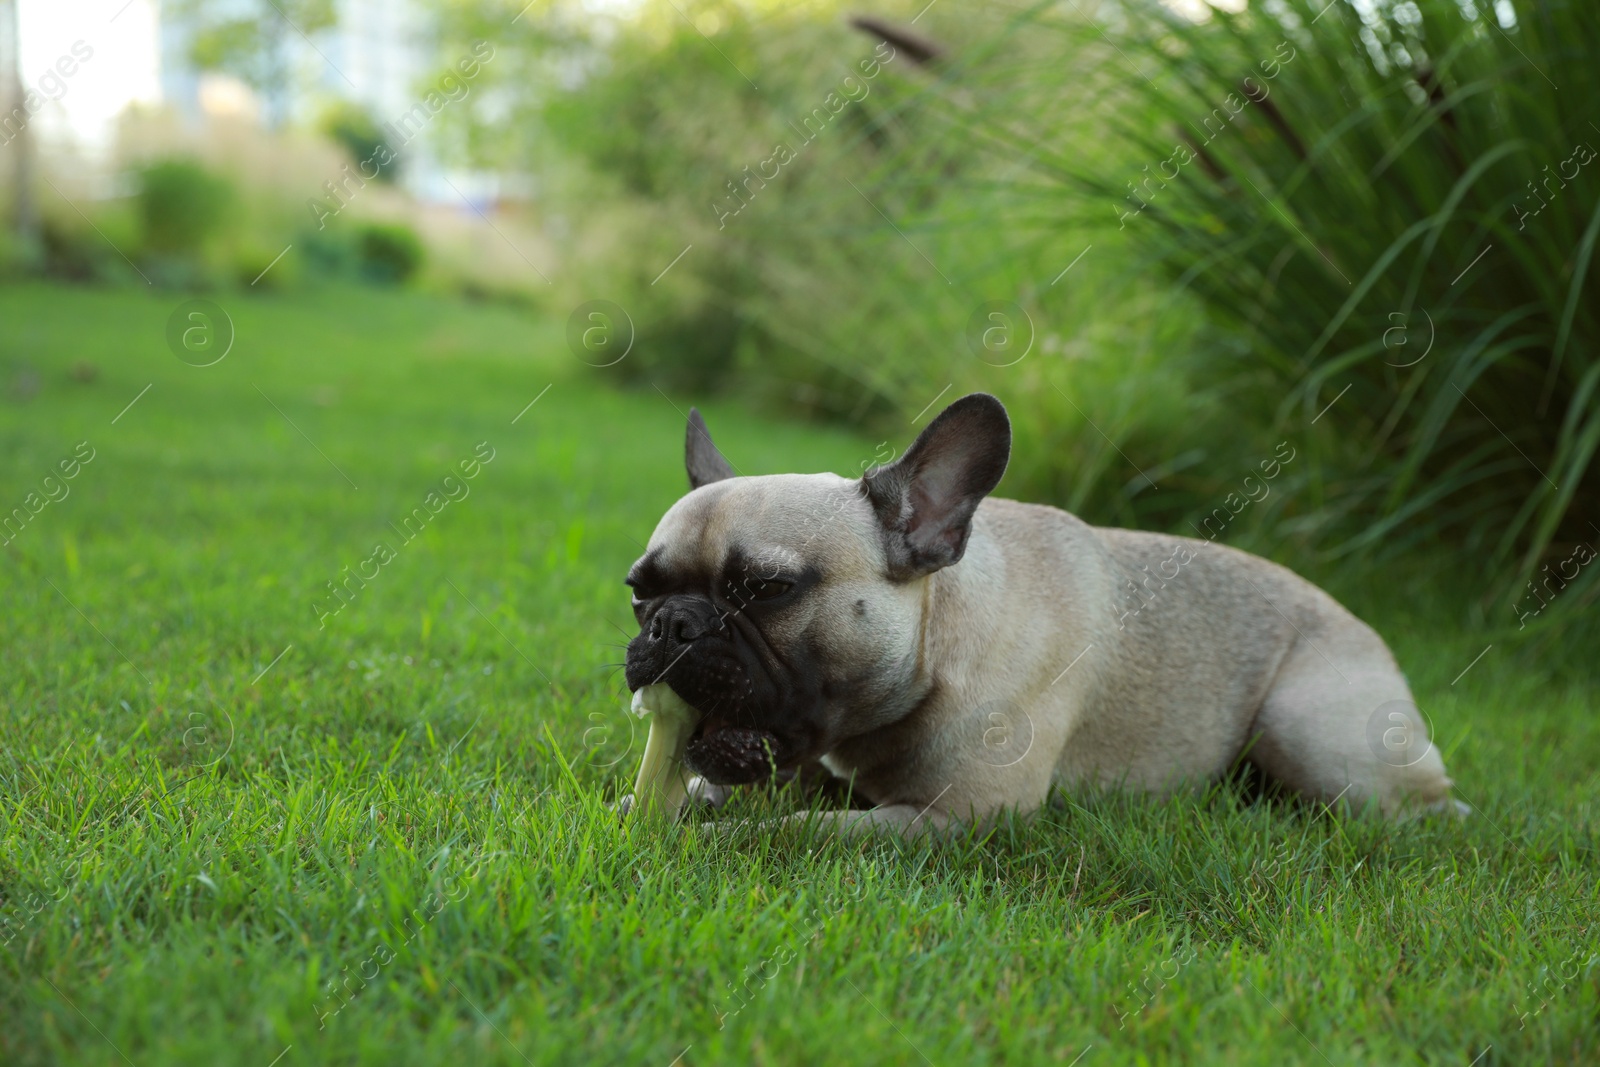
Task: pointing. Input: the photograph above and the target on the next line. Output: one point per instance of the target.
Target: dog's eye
(641, 592)
(765, 588)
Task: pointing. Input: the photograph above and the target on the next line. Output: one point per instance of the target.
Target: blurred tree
(250, 39)
(25, 219)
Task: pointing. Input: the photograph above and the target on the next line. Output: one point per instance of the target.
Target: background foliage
(1309, 245)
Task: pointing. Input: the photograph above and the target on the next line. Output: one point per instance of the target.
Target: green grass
(190, 852)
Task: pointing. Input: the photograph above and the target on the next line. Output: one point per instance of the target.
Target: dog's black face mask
(702, 635)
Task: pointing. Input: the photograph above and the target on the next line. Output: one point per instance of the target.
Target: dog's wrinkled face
(763, 602)
(786, 609)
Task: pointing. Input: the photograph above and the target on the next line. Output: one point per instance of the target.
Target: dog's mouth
(728, 754)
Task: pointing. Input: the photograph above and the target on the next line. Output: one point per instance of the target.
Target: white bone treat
(661, 783)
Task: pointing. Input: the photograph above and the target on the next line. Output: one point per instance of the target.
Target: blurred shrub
(71, 253)
(256, 263)
(74, 249)
(650, 115)
(182, 206)
(353, 128)
(327, 253)
(388, 253)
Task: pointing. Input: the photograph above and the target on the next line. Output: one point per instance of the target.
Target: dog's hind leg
(1339, 724)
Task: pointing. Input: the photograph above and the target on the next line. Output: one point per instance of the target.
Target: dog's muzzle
(688, 644)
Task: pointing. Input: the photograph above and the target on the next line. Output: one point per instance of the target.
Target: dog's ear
(926, 498)
(700, 457)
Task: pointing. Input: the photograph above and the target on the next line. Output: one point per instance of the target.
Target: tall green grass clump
(1394, 208)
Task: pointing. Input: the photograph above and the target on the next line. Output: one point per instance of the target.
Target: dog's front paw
(699, 792)
(708, 794)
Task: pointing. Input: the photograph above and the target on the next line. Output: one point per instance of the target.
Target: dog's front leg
(899, 820)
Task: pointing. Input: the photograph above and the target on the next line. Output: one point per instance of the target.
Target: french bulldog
(955, 656)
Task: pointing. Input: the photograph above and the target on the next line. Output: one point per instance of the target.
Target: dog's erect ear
(926, 498)
(704, 463)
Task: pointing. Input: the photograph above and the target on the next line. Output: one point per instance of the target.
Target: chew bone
(661, 784)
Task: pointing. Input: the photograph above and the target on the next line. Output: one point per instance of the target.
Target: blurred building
(376, 56)
(86, 62)
(381, 55)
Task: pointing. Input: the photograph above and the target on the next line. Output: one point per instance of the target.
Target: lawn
(246, 821)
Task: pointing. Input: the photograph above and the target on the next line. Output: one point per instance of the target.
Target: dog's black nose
(682, 620)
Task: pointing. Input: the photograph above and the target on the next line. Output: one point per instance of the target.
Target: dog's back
(1178, 654)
